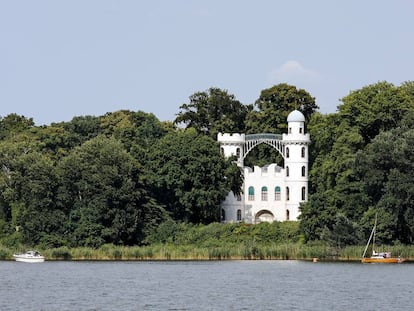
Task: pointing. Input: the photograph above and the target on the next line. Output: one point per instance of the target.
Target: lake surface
(211, 285)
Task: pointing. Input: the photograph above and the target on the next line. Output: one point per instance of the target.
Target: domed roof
(296, 116)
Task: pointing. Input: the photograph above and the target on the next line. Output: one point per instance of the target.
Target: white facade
(271, 192)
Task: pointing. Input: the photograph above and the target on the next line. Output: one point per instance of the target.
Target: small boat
(30, 256)
(382, 257)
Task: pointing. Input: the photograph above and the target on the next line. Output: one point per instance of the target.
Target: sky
(65, 58)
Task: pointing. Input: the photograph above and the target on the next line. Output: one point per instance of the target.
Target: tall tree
(102, 185)
(274, 105)
(188, 175)
(213, 111)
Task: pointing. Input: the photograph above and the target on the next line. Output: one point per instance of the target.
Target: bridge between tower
(273, 140)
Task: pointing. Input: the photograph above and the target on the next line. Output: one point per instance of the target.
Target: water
(216, 285)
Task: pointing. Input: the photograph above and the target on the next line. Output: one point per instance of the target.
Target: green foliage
(274, 105)
(126, 178)
(212, 112)
(187, 175)
(361, 159)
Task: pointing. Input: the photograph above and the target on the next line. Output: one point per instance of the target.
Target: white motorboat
(30, 256)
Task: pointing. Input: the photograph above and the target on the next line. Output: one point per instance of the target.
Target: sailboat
(383, 257)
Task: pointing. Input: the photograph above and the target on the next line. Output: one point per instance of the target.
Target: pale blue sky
(60, 59)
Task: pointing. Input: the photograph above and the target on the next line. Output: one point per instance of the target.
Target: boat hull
(30, 260)
(382, 260)
(31, 257)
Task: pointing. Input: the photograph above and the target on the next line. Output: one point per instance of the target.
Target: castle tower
(296, 164)
(232, 145)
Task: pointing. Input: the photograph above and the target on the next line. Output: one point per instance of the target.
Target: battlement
(231, 137)
(271, 169)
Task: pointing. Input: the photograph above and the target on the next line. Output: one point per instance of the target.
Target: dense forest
(119, 178)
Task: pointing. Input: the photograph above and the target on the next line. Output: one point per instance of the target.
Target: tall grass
(240, 251)
(177, 241)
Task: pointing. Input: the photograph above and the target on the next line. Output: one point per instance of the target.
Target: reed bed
(236, 251)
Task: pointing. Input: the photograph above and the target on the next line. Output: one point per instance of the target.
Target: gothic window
(251, 194)
(287, 193)
(277, 193)
(303, 152)
(303, 193)
(239, 218)
(303, 171)
(264, 193)
(287, 152)
(287, 171)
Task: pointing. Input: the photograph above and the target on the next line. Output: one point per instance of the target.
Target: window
(238, 197)
(290, 130)
(287, 193)
(238, 152)
(277, 193)
(239, 215)
(303, 193)
(251, 194)
(300, 130)
(303, 152)
(223, 215)
(264, 193)
(287, 152)
(287, 215)
(222, 150)
(287, 171)
(303, 171)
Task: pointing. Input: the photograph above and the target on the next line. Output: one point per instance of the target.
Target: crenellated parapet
(231, 138)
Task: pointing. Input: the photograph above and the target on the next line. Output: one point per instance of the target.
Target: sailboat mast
(373, 239)
(372, 236)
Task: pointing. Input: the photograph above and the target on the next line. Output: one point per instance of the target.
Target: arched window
(277, 193)
(287, 193)
(239, 215)
(300, 130)
(303, 152)
(287, 171)
(287, 152)
(251, 194)
(238, 152)
(303, 193)
(287, 215)
(303, 171)
(223, 215)
(264, 193)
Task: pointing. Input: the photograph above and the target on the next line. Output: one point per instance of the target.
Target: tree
(274, 105)
(102, 186)
(34, 211)
(377, 107)
(13, 123)
(188, 176)
(386, 166)
(213, 111)
(350, 176)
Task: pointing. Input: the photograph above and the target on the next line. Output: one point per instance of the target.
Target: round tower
(296, 143)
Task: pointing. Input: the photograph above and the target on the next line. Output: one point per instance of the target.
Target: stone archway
(264, 216)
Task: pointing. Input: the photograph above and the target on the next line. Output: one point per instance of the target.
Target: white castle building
(271, 192)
